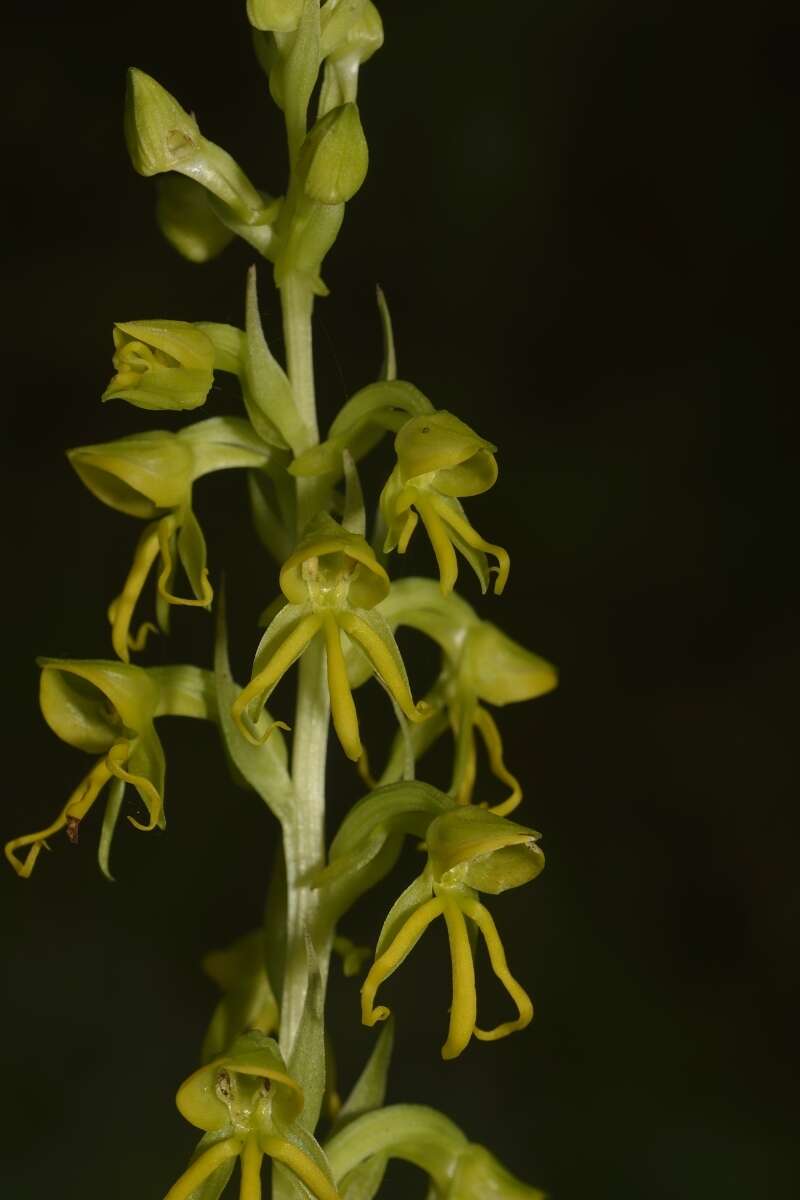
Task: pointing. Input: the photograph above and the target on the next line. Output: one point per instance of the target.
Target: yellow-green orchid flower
(469, 850)
(480, 666)
(107, 709)
(332, 582)
(248, 1106)
(150, 476)
(439, 459)
(161, 365)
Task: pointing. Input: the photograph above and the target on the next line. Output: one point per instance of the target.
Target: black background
(580, 214)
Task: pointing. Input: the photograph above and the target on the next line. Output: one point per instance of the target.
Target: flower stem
(304, 835)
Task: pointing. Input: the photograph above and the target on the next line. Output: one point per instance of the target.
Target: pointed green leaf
(266, 387)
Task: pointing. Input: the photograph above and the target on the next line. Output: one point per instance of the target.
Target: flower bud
(188, 222)
(162, 136)
(335, 157)
(138, 475)
(473, 846)
(161, 365)
(479, 1176)
(275, 16)
(501, 671)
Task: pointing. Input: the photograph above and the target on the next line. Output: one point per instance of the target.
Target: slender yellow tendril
(474, 539)
(120, 611)
(463, 1011)
(390, 960)
(494, 748)
(497, 957)
(442, 546)
(384, 663)
(167, 527)
(201, 1168)
(290, 648)
(301, 1165)
(250, 1188)
(343, 710)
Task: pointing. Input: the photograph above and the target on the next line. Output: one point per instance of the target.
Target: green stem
(304, 835)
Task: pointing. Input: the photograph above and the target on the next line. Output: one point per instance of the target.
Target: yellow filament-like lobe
(483, 919)
(494, 748)
(301, 1165)
(384, 664)
(408, 528)
(119, 754)
(465, 764)
(474, 539)
(252, 1155)
(202, 1167)
(290, 648)
(343, 710)
(465, 1003)
(167, 527)
(442, 546)
(75, 809)
(120, 612)
(390, 960)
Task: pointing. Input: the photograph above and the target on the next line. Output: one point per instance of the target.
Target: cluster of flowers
(334, 590)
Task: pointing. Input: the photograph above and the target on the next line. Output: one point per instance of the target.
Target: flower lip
(90, 705)
(475, 847)
(351, 568)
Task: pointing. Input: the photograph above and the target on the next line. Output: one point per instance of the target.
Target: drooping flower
(249, 1106)
(332, 582)
(440, 459)
(150, 475)
(480, 665)
(106, 709)
(470, 850)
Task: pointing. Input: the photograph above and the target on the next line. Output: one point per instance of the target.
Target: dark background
(579, 213)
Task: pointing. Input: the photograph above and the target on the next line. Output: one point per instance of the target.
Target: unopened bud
(162, 136)
(335, 157)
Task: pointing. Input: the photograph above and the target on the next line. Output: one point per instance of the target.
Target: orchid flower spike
(249, 1106)
(439, 459)
(470, 850)
(332, 582)
(150, 476)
